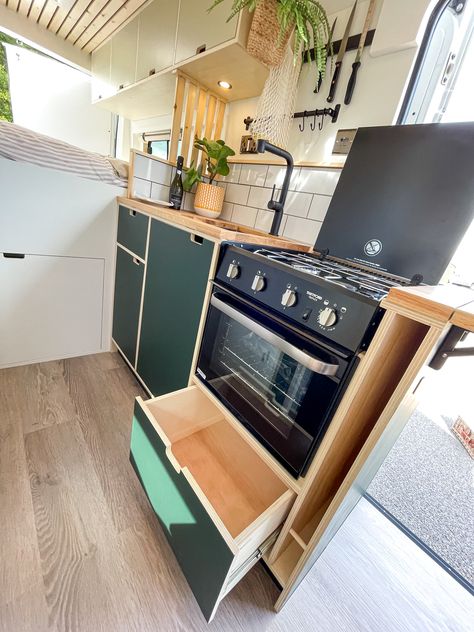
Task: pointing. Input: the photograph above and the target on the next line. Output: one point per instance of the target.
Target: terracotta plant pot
(264, 42)
(209, 200)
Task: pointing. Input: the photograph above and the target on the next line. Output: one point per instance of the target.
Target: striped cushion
(18, 143)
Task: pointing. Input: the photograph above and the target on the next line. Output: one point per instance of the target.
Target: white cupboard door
(124, 56)
(50, 308)
(101, 87)
(197, 28)
(156, 37)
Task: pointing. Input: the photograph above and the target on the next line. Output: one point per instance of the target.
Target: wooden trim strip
(177, 116)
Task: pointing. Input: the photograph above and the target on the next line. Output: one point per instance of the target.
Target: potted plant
(275, 21)
(209, 197)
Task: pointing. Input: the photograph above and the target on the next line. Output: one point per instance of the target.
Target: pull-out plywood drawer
(216, 499)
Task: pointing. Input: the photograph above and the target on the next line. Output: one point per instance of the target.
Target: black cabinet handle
(14, 255)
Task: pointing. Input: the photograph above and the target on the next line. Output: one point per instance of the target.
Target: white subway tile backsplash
(160, 192)
(322, 181)
(276, 175)
(227, 209)
(141, 188)
(298, 203)
(161, 173)
(253, 174)
(264, 220)
(259, 197)
(244, 215)
(237, 193)
(234, 173)
(142, 167)
(301, 229)
(319, 207)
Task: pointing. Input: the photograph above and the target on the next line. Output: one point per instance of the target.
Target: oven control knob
(289, 298)
(233, 271)
(327, 317)
(258, 283)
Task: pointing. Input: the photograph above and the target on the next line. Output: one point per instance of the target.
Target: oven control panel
(313, 303)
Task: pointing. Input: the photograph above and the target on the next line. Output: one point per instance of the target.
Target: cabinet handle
(136, 261)
(132, 213)
(196, 239)
(151, 72)
(13, 255)
(200, 49)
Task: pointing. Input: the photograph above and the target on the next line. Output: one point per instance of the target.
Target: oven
(282, 383)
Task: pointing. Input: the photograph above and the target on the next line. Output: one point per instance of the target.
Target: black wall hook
(302, 126)
(333, 113)
(313, 124)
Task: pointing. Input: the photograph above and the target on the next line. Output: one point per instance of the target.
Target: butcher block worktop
(219, 230)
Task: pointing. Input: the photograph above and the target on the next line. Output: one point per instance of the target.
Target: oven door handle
(308, 361)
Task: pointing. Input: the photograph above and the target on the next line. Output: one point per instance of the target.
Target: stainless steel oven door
(280, 384)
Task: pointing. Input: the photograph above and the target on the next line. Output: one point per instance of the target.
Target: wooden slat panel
(47, 13)
(24, 7)
(58, 19)
(220, 120)
(111, 24)
(177, 115)
(100, 16)
(93, 10)
(13, 4)
(201, 112)
(36, 9)
(188, 121)
(72, 17)
(211, 111)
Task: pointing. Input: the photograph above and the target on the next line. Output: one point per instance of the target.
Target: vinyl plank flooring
(19, 558)
(82, 551)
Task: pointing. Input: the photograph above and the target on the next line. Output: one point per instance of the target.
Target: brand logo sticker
(373, 247)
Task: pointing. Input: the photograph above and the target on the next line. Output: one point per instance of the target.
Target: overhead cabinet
(133, 72)
(156, 37)
(156, 328)
(199, 30)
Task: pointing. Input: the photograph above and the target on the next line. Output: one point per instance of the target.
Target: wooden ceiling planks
(84, 23)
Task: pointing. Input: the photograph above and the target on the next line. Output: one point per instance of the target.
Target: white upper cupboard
(199, 30)
(156, 37)
(164, 35)
(101, 84)
(124, 56)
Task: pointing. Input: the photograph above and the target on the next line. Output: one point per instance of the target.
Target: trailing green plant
(309, 20)
(215, 153)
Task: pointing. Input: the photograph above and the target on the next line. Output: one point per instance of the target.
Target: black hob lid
(404, 200)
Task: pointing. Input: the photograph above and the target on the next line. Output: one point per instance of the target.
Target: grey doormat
(426, 482)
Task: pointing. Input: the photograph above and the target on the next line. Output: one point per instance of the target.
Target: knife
(320, 74)
(340, 56)
(356, 65)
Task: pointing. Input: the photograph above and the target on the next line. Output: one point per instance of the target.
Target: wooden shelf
(284, 565)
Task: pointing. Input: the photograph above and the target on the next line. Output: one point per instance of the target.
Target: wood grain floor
(81, 551)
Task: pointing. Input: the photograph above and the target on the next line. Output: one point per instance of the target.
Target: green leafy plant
(309, 20)
(216, 153)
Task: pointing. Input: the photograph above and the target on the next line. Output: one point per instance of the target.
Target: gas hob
(365, 283)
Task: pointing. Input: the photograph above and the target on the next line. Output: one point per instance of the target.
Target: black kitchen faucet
(277, 205)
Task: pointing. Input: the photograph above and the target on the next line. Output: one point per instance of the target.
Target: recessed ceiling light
(225, 85)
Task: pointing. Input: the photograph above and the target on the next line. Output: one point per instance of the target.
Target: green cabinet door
(198, 545)
(127, 299)
(176, 281)
(132, 230)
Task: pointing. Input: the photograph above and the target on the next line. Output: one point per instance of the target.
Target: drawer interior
(235, 480)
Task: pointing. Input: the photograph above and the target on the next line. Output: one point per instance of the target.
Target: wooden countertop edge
(198, 225)
(464, 317)
(434, 305)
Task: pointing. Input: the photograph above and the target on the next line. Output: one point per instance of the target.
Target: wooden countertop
(437, 305)
(219, 230)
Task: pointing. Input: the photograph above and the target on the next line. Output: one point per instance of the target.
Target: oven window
(279, 398)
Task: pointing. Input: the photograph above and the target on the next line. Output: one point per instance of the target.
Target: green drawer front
(132, 231)
(200, 549)
(176, 283)
(127, 299)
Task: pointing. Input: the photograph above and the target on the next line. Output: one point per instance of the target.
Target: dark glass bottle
(176, 191)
